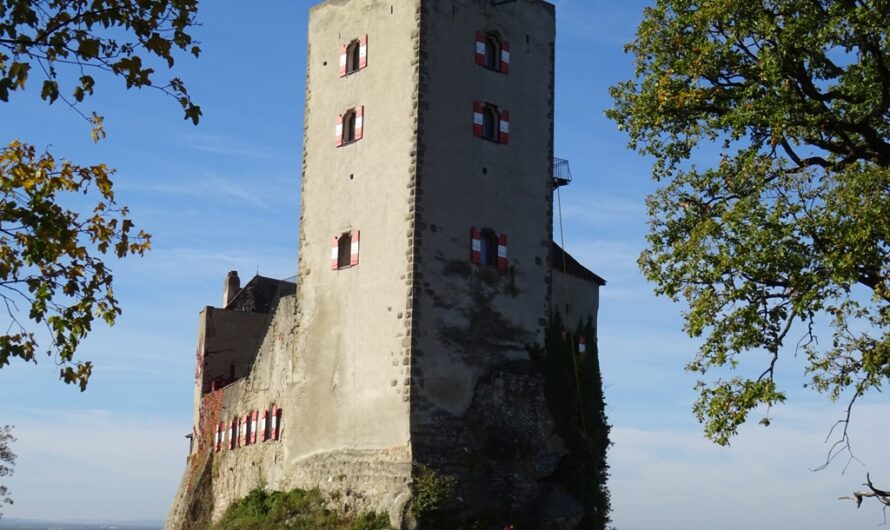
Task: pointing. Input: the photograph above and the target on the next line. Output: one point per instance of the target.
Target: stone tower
(425, 274)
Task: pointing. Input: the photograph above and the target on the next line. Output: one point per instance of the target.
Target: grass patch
(294, 510)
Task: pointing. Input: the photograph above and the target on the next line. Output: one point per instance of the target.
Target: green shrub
(294, 510)
(433, 491)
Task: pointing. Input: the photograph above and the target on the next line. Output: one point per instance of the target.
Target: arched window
(492, 52)
(344, 249)
(352, 57)
(350, 126)
(490, 123)
(488, 248)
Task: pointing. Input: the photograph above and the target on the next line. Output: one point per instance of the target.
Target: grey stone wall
(477, 409)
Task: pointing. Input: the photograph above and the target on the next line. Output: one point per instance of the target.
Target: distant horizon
(14, 523)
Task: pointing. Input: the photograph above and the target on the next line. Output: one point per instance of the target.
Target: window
(354, 56)
(488, 248)
(492, 52)
(344, 247)
(264, 425)
(246, 430)
(491, 122)
(350, 126)
(276, 431)
(344, 250)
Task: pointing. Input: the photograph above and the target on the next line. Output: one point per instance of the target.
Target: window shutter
(475, 246)
(343, 49)
(359, 121)
(263, 425)
(478, 119)
(276, 422)
(505, 127)
(353, 250)
(338, 131)
(253, 422)
(363, 52)
(502, 252)
(233, 442)
(223, 435)
(216, 438)
(480, 48)
(334, 253)
(582, 345)
(245, 429)
(505, 57)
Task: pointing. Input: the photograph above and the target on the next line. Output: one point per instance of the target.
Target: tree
(7, 461)
(51, 257)
(768, 122)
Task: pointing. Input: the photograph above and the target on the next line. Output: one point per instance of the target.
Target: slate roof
(562, 260)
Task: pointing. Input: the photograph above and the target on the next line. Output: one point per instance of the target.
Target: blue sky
(225, 195)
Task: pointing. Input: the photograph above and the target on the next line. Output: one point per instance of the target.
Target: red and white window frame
(355, 236)
(476, 242)
(362, 43)
(502, 133)
(341, 128)
(482, 43)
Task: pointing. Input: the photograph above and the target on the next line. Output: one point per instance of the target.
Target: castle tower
(425, 273)
(428, 147)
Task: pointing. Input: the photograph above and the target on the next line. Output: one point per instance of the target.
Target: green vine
(573, 388)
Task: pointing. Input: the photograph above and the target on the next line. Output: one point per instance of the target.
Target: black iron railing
(562, 174)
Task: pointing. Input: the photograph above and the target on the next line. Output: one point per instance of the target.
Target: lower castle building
(427, 280)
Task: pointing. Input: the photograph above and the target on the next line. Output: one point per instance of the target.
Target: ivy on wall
(573, 387)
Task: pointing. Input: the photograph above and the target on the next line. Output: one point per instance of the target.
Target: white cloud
(209, 184)
(89, 464)
(191, 262)
(217, 144)
(672, 479)
(599, 209)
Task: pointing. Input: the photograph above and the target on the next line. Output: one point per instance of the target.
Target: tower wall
(478, 411)
(352, 321)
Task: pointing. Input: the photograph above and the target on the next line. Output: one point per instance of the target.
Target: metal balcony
(562, 174)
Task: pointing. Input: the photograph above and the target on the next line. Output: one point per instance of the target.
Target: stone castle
(427, 269)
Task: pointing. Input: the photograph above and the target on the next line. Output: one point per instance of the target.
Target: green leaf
(50, 91)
